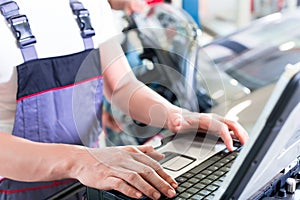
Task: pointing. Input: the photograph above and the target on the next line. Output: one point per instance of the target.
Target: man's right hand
(130, 170)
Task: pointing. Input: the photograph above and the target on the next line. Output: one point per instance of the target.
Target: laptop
(253, 171)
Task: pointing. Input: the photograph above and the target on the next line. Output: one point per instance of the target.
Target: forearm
(145, 105)
(24, 160)
(117, 4)
(130, 95)
(125, 169)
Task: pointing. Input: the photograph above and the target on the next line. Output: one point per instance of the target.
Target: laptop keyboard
(202, 181)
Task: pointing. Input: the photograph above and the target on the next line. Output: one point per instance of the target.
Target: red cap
(153, 1)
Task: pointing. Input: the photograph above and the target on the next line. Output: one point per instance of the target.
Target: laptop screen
(274, 144)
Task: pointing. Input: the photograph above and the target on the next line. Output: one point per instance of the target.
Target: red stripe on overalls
(55, 183)
(60, 88)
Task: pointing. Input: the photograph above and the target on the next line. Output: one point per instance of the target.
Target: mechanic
(48, 132)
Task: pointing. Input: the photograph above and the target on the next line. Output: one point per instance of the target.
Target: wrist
(174, 119)
(63, 162)
(74, 162)
(182, 120)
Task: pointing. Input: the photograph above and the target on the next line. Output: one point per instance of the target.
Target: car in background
(251, 60)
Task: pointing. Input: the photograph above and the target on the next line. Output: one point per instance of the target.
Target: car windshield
(269, 44)
(266, 65)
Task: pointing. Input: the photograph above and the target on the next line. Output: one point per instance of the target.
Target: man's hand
(209, 123)
(130, 170)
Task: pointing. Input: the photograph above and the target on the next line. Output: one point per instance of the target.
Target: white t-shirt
(57, 33)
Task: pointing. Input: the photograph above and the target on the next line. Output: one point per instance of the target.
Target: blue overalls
(59, 98)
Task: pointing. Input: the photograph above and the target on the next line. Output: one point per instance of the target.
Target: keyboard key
(229, 164)
(180, 189)
(221, 178)
(204, 192)
(224, 169)
(217, 183)
(197, 197)
(199, 186)
(232, 157)
(219, 164)
(200, 176)
(194, 180)
(213, 168)
(188, 175)
(213, 177)
(206, 172)
(223, 153)
(216, 158)
(185, 195)
(192, 190)
(186, 185)
(209, 197)
(219, 173)
(211, 187)
(180, 179)
(206, 181)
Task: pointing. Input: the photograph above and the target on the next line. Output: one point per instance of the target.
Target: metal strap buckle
(84, 22)
(21, 29)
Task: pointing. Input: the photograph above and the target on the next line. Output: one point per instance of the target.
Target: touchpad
(175, 162)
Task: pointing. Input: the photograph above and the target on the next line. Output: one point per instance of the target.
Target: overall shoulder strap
(82, 16)
(25, 39)
(20, 27)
